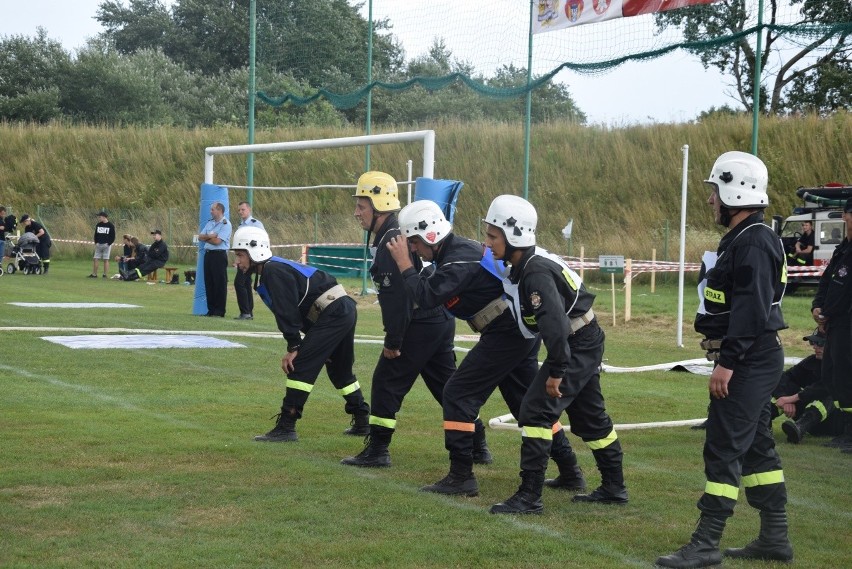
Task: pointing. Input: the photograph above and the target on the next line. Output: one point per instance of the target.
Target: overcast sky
(673, 88)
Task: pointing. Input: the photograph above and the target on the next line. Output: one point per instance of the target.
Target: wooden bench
(152, 276)
(169, 272)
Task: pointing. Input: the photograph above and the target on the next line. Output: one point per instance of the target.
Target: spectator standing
(242, 281)
(104, 238)
(216, 236)
(44, 242)
(156, 258)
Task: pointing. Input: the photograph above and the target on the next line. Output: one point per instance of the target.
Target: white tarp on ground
(139, 341)
(74, 305)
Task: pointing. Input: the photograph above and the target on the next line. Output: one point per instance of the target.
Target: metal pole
(681, 264)
(528, 113)
(755, 104)
(251, 92)
(369, 118)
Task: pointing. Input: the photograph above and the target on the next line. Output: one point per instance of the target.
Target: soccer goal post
(211, 192)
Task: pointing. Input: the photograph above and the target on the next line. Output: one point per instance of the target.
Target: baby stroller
(25, 257)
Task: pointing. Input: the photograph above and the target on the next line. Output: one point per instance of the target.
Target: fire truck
(823, 207)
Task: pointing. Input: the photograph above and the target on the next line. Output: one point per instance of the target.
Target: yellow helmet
(380, 189)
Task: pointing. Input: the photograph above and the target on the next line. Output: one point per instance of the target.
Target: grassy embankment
(620, 185)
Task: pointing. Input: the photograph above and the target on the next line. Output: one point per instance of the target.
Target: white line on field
(95, 394)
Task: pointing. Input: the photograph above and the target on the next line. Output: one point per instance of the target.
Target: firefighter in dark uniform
(740, 315)
(308, 300)
(802, 395)
(417, 341)
(832, 310)
(555, 304)
(468, 282)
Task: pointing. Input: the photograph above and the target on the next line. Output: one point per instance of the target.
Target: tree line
(187, 65)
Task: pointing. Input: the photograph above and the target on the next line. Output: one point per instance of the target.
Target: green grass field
(145, 458)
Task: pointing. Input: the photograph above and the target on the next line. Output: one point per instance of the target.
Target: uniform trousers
(330, 343)
(837, 365)
(500, 359)
(427, 350)
(739, 444)
(583, 402)
(216, 281)
(245, 298)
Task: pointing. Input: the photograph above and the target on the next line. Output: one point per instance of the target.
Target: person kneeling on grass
(156, 258)
(304, 299)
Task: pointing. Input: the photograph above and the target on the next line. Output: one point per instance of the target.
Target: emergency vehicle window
(831, 232)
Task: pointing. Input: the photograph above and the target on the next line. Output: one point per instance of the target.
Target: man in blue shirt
(216, 236)
(242, 281)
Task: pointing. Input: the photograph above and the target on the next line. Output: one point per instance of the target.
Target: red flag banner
(559, 14)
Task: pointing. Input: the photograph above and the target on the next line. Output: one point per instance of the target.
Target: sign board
(611, 264)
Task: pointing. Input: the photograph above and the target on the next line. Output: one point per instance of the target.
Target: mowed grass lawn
(145, 458)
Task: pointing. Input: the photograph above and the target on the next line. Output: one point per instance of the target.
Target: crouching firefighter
(740, 292)
(555, 304)
(309, 300)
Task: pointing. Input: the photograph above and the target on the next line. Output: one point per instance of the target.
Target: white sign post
(612, 264)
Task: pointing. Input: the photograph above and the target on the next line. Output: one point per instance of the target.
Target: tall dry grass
(620, 185)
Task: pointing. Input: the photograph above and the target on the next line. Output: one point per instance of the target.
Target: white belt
(580, 321)
(324, 300)
(487, 315)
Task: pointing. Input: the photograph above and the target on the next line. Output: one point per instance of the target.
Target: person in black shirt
(303, 299)
(803, 249)
(740, 288)
(104, 238)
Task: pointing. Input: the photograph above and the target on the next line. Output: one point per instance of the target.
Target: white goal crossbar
(426, 136)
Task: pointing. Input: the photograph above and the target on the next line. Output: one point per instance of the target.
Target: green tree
(550, 101)
(31, 73)
(813, 65)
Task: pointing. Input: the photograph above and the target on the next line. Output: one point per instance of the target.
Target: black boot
(611, 491)
(359, 425)
(702, 550)
(284, 430)
(795, 430)
(459, 481)
(570, 476)
(375, 453)
(527, 500)
(771, 544)
(844, 440)
(481, 453)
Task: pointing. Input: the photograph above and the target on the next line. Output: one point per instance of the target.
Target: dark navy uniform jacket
(549, 298)
(289, 293)
(834, 295)
(460, 283)
(744, 289)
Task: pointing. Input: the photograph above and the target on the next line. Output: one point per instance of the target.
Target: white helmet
(516, 217)
(380, 189)
(424, 219)
(741, 179)
(253, 240)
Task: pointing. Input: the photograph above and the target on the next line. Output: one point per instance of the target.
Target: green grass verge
(119, 458)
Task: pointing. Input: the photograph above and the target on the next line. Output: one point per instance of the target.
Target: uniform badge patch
(842, 272)
(386, 281)
(535, 300)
